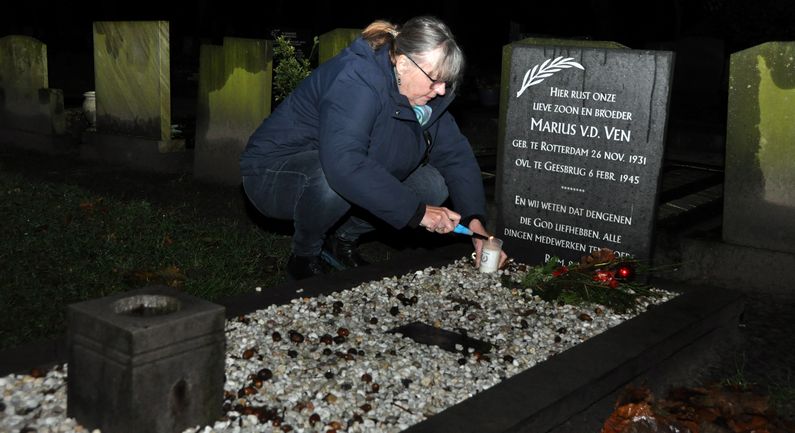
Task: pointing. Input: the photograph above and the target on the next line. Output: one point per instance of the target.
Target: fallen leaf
(171, 276)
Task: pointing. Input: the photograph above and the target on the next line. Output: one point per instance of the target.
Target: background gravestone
(759, 195)
(234, 96)
(331, 43)
(133, 98)
(26, 102)
(580, 160)
(302, 39)
(132, 76)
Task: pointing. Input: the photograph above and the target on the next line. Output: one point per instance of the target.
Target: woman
(368, 134)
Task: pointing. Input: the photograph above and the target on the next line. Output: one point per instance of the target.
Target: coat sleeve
(348, 112)
(452, 155)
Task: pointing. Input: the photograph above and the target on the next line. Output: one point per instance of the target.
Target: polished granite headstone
(149, 360)
(759, 193)
(234, 97)
(579, 165)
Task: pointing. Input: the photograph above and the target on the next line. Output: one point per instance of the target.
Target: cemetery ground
(75, 230)
(78, 230)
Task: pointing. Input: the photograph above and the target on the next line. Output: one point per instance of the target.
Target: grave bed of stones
(322, 356)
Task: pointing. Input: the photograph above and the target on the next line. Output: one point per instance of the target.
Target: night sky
(481, 30)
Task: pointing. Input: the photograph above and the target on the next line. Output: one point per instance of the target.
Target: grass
(782, 394)
(63, 244)
(780, 390)
(739, 378)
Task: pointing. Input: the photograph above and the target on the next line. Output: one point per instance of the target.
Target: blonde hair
(379, 33)
(416, 38)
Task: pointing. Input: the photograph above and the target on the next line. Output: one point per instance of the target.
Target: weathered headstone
(133, 97)
(331, 43)
(234, 96)
(26, 102)
(132, 75)
(579, 164)
(148, 360)
(759, 194)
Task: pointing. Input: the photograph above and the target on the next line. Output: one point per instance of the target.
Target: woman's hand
(439, 219)
(476, 226)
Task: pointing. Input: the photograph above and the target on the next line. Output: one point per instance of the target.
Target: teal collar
(423, 113)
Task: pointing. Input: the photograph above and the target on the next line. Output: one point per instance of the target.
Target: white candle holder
(490, 255)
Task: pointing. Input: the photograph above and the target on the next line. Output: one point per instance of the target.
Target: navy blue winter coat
(368, 137)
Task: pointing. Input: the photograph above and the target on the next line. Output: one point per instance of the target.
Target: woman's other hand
(476, 226)
(439, 219)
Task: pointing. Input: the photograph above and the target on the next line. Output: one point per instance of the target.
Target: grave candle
(490, 255)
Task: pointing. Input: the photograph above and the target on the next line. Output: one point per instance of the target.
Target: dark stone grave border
(575, 391)
(572, 391)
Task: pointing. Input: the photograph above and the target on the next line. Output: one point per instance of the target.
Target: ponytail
(379, 33)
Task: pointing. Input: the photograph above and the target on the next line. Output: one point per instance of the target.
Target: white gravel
(368, 380)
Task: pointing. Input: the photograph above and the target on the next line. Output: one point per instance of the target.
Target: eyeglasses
(433, 82)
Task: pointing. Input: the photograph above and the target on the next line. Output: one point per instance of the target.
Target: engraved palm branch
(546, 69)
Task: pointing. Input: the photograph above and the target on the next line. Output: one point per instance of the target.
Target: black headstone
(301, 39)
(580, 163)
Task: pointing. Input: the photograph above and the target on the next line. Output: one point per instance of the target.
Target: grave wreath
(600, 278)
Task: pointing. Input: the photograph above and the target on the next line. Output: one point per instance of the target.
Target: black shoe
(344, 252)
(300, 267)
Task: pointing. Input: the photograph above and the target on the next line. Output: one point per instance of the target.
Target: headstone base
(701, 260)
(756, 224)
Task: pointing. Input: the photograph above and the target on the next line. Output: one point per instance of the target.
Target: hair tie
(393, 32)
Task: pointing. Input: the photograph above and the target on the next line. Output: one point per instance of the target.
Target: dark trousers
(295, 188)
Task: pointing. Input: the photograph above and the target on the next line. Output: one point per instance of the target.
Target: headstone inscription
(301, 39)
(234, 96)
(759, 191)
(581, 156)
(505, 74)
